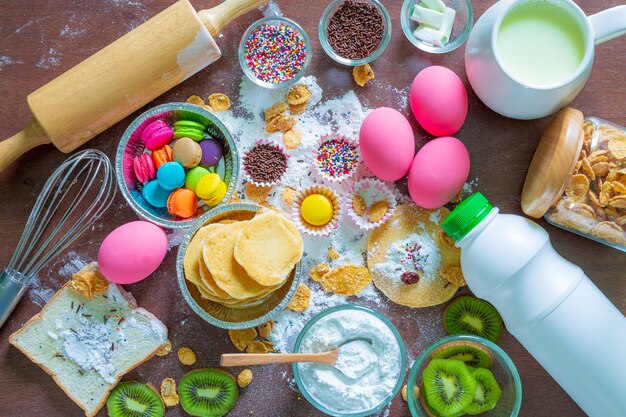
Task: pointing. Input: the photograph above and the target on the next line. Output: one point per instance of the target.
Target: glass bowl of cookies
(585, 194)
(175, 163)
(241, 266)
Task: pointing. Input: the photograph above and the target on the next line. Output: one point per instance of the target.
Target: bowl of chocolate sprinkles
(354, 32)
(265, 163)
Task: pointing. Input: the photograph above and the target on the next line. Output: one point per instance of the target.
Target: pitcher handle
(609, 24)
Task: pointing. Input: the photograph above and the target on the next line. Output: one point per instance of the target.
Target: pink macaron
(157, 134)
(144, 168)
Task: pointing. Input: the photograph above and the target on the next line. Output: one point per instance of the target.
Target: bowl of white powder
(376, 368)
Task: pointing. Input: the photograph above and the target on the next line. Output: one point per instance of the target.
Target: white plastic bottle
(546, 302)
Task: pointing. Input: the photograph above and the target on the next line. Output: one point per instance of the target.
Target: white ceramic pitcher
(511, 98)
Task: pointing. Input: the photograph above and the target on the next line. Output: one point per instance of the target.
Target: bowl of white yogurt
(373, 369)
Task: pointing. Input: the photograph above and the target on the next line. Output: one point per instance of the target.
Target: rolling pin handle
(15, 146)
(218, 17)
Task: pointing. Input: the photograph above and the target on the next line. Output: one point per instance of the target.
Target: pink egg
(439, 172)
(439, 101)
(387, 143)
(132, 252)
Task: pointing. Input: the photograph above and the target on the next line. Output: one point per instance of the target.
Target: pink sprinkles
(413, 256)
(337, 157)
(275, 53)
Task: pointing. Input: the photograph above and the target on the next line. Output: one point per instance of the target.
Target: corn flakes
(378, 210)
(618, 202)
(242, 338)
(265, 329)
(617, 144)
(358, 205)
(219, 102)
(587, 170)
(577, 187)
(601, 169)
(257, 347)
(609, 231)
(606, 193)
(301, 299)
(346, 280)
(288, 195)
(168, 392)
(332, 254)
(186, 356)
(165, 350)
(454, 275)
(244, 378)
(362, 74)
(197, 100)
(318, 272)
(275, 111)
(405, 393)
(298, 94)
(256, 193)
(292, 138)
(298, 108)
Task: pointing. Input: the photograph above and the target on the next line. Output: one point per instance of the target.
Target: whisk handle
(13, 285)
(17, 145)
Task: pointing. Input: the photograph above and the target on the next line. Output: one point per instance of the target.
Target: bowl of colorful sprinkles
(336, 157)
(274, 52)
(265, 163)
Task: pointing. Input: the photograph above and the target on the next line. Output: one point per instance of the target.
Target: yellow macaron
(211, 189)
(317, 209)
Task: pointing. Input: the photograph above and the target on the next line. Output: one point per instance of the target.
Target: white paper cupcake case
(325, 176)
(245, 172)
(307, 228)
(380, 191)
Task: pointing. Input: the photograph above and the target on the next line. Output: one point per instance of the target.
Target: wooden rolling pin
(122, 77)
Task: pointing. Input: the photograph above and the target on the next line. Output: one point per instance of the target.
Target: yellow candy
(317, 209)
(211, 189)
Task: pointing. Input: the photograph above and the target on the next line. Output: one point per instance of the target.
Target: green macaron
(193, 176)
(189, 129)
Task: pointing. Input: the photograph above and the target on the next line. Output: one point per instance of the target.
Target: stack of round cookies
(237, 263)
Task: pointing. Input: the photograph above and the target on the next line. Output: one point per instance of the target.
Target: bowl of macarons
(175, 163)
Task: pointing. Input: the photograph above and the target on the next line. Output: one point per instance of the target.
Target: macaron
(317, 209)
(193, 176)
(162, 155)
(211, 152)
(171, 175)
(182, 203)
(144, 168)
(155, 195)
(189, 129)
(157, 134)
(211, 189)
(187, 152)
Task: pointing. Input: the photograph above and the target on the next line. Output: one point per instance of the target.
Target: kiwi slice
(207, 392)
(134, 399)
(428, 409)
(487, 392)
(448, 386)
(472, 353)
(470, 315)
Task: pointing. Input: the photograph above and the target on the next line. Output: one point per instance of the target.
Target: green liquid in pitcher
(540, 44)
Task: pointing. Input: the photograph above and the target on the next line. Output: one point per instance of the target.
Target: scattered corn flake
(601, 169)
(587, 170)
(165, 350)
(606, 193)
(318, 272)
(301, 299)
(186, 356)
(362, 74)
(265, 329)
(346, 280)
(244, 378)
(617, 144)
(197, 100)
(219, 102)
(618, 187)
(235, 198)
(358, 205)
(292, 138)
(168, 392)
(454, 275)
(378, 210)
(618, 202)
(269, 345)
(242, 338)
(332, 254)
(89, 281)
(283, 123)
(577, 187)
(288, 195)
(256, 347)
(445, 239)
(298, 108)
(256, 193)
(298, 94)
(457, 198)
(275, 111)
(405, 393)
(597, 159)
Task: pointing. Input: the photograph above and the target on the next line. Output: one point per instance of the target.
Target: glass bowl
(503, 369)
(277, 20)
(131, 145)
(329, 11)
(401, 374)
(221, 316)
(463, 23)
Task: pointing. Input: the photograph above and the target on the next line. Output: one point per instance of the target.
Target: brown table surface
(40, 39)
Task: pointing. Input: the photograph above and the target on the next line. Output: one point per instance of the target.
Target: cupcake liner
(249, 178)
(308, 228)
(327, 176)
(371, 190)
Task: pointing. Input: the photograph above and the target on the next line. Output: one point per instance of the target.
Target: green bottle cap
(466, 216)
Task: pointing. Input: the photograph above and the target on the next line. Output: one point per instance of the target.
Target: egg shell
(439, 172)
(132, 252)
(387, 144)
(439, 101)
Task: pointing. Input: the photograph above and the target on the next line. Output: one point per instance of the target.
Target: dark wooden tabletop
(40, 39)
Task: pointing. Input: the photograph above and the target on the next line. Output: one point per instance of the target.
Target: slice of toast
(88, 336)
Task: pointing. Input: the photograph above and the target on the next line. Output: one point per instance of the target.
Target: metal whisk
(77, 193)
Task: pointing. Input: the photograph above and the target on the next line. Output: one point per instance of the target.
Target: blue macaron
(155, 195)
(171, 175)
